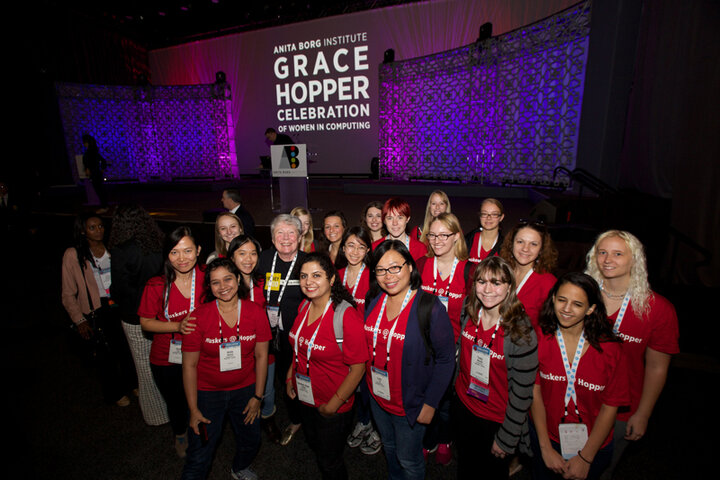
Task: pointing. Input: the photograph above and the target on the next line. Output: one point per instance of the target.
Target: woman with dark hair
(136, 248)
(224, 364)
(244, 251)
(497, 366)
(486, 240)
(530, 251)
(580, 382)
(396, 217)
(352, 263)
(227, 226)
(644, 319)
(327, 366)
(371, 220)
(410, 342)
(333, 228)
(165, 311)
(86, 282)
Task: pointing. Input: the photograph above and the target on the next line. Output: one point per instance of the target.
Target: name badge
(444, 301)
(274, 282)
(175, 353)
(230, 356)
(304, 389)
(573, 437)
(477, 390)
(380, 383)
(480, 364)
(273, 314)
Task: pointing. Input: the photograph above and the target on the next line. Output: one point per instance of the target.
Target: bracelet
(288, 380)
(259, 399)
(583, 458)
(341, 399)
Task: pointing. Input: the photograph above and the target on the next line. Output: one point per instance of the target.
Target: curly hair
(596, 327)
(640, 292)
(338, 292)
(515, 321)
(133, 222)
(452, 223)
(428, 215)
(309, 237)
(547, 258)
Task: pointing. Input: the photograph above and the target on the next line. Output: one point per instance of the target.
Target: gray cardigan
(522, 364)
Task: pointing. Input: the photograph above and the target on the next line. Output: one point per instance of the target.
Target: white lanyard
(237, 324)
(311, 343)
(621, 312)
(406, 241)
(357, 280)
(192, 297)
(480, 244)
(392, 330)
(527, 275)
(570, 370)
(450, 278)
(287, 278)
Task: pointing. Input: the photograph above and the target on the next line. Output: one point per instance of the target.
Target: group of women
(410, 340)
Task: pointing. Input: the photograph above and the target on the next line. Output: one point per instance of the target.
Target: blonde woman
(307, 237)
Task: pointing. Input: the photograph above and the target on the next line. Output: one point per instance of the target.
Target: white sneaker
(371, 444)
(358, 434)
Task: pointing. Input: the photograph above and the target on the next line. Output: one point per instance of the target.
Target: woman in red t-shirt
(646, 321)
(326, 369)
(224, 369)
(396, 217)
(227, 226)
(497, 367)
(333, 228)
(371, 220)
(529, 249)
(352, 264)
(486, 240)
(166, 304)
(579, 385)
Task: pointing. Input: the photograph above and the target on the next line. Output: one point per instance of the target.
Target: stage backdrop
(317, 81)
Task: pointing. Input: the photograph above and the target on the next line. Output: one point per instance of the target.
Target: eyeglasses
(395, 269)
(439, 236)
(491, 215)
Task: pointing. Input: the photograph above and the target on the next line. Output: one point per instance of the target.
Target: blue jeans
(215, 406)
(268, 405)
(402, 444)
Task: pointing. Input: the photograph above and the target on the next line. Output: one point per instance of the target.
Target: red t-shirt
(658, 330)
(328, 364)
(599, 381)
(206, 339)
(477, 253)
(494, 408)
(362, 288)
(416, 248)
(152, 305)
(454, 290)
(533, 294)
(394, 365)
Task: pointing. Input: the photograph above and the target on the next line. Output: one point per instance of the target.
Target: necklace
(613, 295)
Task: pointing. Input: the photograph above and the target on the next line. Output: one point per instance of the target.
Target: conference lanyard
(406, 241)
(571, 370)
(311, 343)
(192, 297)
(392, 330)
(450, 278)
(357, 280)
(287, 279)
(621, 312)
(480, 244)
(527, 275)
(477, 330)
(237, 324)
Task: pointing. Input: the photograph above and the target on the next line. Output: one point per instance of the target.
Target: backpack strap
(338, 322)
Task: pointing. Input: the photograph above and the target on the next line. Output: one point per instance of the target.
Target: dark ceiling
(161, 23)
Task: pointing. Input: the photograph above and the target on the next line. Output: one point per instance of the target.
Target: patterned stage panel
(505, 110)
(152, 133)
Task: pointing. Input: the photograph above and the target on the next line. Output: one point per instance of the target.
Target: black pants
(326, 437)
(169, 381)
(283, 359)
(474, 437)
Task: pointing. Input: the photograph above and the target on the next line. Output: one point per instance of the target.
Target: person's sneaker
(181, 445)
(358, 434)
(245, 474)
(426, 452)
(444, 454)
(371, 444)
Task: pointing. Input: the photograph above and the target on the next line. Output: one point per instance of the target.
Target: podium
(289, 166)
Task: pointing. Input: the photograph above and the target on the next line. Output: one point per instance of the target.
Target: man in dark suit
(232, 200)
(277, 138)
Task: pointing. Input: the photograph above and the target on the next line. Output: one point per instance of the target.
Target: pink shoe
(444, 454)
(426, 452)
